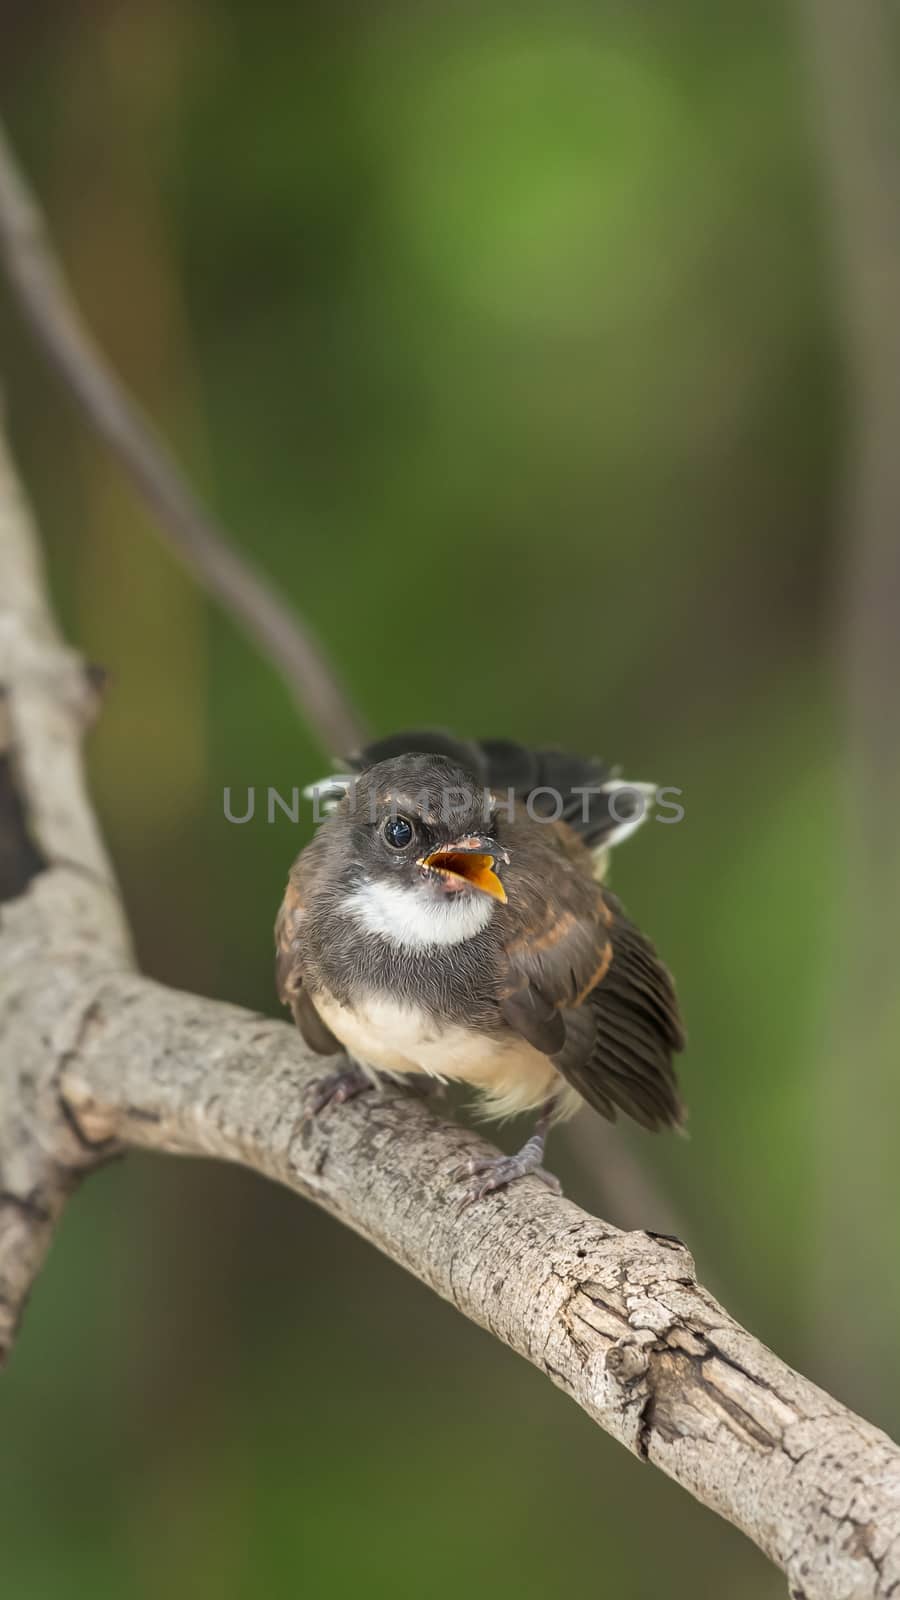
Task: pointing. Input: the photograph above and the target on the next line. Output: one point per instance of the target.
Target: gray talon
(497, 1173)
(466, 1170)
(338, 1087)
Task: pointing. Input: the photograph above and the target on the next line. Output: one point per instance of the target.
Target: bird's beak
(469, 862)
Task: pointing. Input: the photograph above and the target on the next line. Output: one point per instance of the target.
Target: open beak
(469, 862)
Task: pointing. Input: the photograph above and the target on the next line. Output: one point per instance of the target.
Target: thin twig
(44, 298)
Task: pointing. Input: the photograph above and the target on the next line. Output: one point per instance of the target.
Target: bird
(450, 921)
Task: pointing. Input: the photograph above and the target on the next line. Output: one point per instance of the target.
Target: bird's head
(422, 861)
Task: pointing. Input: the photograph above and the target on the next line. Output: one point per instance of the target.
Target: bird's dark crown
(437, 792)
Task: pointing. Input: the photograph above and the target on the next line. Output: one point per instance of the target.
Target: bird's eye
(398, 832)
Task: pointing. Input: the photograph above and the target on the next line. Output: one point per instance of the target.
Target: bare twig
(278, 631)
(94, 1058)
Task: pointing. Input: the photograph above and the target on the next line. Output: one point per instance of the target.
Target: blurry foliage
(504, 341)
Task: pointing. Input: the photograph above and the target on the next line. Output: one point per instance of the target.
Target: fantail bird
(450, 918)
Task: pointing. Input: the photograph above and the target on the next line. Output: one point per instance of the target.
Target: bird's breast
(385, 1034)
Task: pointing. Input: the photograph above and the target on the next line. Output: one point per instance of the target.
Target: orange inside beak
(476, 868)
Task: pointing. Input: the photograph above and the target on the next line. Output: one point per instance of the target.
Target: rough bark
(61, 922)
(95, 1058)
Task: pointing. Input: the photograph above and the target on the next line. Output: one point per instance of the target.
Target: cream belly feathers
(383, 1035)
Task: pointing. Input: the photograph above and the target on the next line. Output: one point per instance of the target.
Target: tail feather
(602, 808)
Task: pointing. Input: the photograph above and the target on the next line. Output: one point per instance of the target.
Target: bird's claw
(497, 1172)
(337, 1088)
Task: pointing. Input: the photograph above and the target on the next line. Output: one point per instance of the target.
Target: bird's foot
(496, 1172)
(338, 1087)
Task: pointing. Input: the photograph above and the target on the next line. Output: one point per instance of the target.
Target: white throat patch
(412, 919)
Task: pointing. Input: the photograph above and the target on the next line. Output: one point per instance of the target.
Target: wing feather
(289, 975)
(589, 990)
(637, 1031)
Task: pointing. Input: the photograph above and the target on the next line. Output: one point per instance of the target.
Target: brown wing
(289, 974)
(584, 986)
(556, 959)
(637, 1030)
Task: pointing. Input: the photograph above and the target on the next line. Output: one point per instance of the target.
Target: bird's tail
(598, 804)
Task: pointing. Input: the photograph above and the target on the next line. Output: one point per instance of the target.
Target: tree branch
(95, 1058)
(277, 630)
(60, 917)
(615, 1319)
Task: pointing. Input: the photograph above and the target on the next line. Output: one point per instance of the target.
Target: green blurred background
(508, 342)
